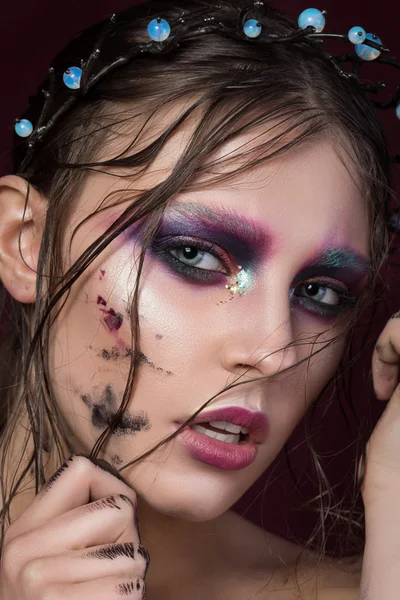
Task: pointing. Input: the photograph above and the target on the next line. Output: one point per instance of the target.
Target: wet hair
(224, 88)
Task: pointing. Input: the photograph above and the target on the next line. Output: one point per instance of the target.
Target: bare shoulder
(313, 578)
(293, 572)
(316, 578)
(339, 579)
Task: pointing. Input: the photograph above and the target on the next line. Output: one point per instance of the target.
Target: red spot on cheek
(102, 273)
(112, 319)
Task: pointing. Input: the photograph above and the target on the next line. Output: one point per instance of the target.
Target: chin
(194, 497)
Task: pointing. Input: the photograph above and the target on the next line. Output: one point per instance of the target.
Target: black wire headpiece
(164, 36)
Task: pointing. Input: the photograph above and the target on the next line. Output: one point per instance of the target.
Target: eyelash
(162, 247)
(346, 299)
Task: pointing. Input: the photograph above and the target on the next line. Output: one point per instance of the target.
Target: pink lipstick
(225, 438)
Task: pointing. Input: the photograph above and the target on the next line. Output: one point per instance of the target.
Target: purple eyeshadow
(341, 264)
(243, 245)
(244, 240)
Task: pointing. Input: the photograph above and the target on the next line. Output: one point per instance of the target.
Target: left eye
(319, 293)
(194, 257)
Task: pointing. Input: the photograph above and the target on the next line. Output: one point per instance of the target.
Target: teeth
(229, 439)
(226, 426)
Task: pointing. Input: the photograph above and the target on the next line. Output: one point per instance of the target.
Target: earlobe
(22, 214)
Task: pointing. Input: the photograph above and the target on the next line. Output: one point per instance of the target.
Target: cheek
(301, 388)
(184, 314)
(321, 368)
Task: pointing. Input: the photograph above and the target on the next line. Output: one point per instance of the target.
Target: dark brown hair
(229, 87)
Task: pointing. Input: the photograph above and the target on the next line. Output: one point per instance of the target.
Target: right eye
(195, 257)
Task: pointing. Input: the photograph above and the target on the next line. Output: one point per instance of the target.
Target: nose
(263, 344)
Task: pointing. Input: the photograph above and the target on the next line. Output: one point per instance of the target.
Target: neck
(177, 547)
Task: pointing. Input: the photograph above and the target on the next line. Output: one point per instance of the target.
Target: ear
(22, 216)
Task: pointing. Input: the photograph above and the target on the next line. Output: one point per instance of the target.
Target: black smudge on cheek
(116, 460)
(115, 354)
(104, 409)
(146, 361)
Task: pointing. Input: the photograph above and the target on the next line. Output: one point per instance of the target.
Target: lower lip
(230, 457)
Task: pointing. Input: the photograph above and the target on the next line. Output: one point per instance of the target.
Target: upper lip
(255, 421)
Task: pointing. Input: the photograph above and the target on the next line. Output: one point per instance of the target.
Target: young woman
(184, 249)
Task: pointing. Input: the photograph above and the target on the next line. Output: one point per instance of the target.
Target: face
(275, 256)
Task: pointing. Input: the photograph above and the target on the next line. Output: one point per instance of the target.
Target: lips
(225, 455)
(255, 422)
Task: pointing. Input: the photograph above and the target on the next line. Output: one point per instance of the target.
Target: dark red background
(31, 32)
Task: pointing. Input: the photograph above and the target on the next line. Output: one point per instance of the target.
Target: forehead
(307, 195)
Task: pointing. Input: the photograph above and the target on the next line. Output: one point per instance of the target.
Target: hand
(77, 540)
(380, 578)
(382, 475)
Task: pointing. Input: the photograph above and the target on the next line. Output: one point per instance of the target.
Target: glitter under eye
(240, 283)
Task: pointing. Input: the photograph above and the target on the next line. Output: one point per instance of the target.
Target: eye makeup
(233, 240)
(338, 269)
(241, 283)
(239, 247)
(341, 264)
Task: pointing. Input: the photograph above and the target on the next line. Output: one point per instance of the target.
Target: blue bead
(252, 28)
(312, 16)
(398, 111)
(23, 128)
(357, 35)
(72, 78)
(159, 30)
(366, 52)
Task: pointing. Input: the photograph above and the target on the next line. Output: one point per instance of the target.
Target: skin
(197, 338)
(330, 213)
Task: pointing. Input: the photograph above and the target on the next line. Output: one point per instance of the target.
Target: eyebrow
(247, 230)
(341, 258)
(219, 216)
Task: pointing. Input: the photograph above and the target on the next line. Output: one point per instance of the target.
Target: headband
(164, 36)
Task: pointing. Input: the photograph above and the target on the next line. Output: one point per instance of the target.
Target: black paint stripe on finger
(112, 551)
(126, 589)
(142, 551)
(57, 474)
(109, 502)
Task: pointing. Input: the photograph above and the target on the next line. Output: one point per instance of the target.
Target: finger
(386, 361)
(111, 560)
(78, 482)
(382, 469)
(109, 520)
(107, 588)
